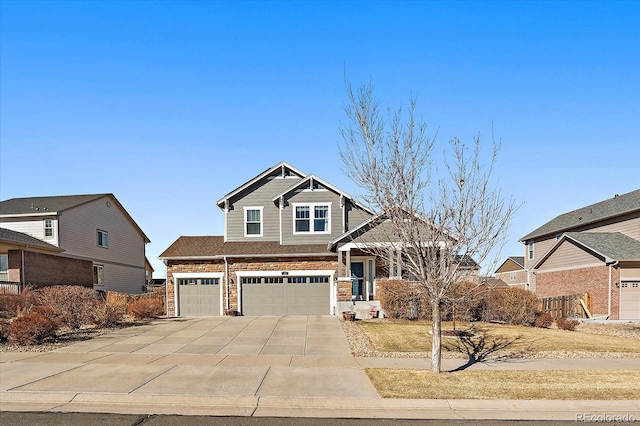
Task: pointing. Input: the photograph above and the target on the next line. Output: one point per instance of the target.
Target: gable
(509, 265)
(569, 255)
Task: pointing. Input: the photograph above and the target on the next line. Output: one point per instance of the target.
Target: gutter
(240, 256)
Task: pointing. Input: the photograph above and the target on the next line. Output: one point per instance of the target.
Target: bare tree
(433, 211)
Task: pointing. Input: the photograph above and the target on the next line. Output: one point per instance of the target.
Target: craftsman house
(592, 249)
(87, 240)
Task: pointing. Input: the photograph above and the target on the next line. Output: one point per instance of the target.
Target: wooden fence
(568, 306)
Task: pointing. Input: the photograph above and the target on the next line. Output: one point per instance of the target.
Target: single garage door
(304, 295)
(630, 300)
(199, 296)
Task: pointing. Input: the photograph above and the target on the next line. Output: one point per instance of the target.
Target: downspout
(226, 279)
(609, 298)
(22, 270)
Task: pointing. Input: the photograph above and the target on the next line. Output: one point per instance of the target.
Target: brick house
(592, 249)
(87, 240)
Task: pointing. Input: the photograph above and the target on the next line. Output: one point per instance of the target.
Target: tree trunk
(436, 338)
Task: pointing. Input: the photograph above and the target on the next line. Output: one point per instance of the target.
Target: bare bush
(544, 320)
(511, 306)
(74, 305)
(565, 324)
(146, 308)
(401, 299)
(33, 327)
(109, 314)
(13, 305)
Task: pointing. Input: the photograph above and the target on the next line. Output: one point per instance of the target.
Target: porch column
(399, 263)
(339, 263)
(348, 263)
(392, 267)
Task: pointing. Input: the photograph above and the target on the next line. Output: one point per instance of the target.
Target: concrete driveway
(296, 356)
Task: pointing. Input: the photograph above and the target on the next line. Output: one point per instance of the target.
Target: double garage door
(286, 295)
(630, 300)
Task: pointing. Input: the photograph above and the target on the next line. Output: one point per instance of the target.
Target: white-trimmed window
(103, 238)
(530, 247)
(4, 267)
(253, 221)
(512, 276)
(48, 228)
(312, 218)
(98, 275)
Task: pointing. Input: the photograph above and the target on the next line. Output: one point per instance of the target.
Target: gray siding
(258, 195)
(355, 215)
(317, 196)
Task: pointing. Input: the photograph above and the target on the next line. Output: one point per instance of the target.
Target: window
(312, 218)
(98, 275)
(512, 276)
(48, 228)
(253, 221)
(4, 267)
(530, 245)
(201, 281)
(103, 239)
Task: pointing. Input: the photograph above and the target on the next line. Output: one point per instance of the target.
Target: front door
(357, 281)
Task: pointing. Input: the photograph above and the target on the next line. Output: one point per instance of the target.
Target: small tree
(430, 219)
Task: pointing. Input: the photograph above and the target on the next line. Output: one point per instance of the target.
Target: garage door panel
(199, 300)
(285, 299)
(630, 300)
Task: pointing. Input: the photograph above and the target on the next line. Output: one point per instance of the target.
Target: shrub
(511, 306)
(74, 305)
(108, 313)
(34, 327)
(4, 329)
(12, 305)
(402, 299)
(146, 308)
(565, 324)
(543, 320)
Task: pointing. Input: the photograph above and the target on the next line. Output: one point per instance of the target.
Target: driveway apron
(288, 356)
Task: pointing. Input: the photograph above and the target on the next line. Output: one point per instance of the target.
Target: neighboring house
(73, 234)
(148, 271)
(292, 244)
(592, 249)
(512, 272)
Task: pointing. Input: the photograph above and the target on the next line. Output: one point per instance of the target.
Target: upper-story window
(253, 221)
(530, 249)
(48, 227)
(103, 239)
(312, 218)
(512, 276)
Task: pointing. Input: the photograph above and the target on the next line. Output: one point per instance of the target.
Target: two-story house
(78, 239)
(592, 249)
(512, 272)
(287, 249)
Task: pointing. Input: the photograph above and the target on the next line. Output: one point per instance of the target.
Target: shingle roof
(24, 240)
(214, 246)
(612, 207)
(613, 245)
(518, 259)
(45, 204)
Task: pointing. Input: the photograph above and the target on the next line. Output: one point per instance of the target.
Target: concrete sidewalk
(261, 366)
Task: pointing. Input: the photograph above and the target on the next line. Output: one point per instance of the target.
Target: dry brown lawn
(561, 385)
(405, 336)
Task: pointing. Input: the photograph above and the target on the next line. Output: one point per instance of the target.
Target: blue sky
(170, 105)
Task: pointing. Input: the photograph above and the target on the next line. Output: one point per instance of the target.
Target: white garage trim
(187, 275)
(290, 273)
